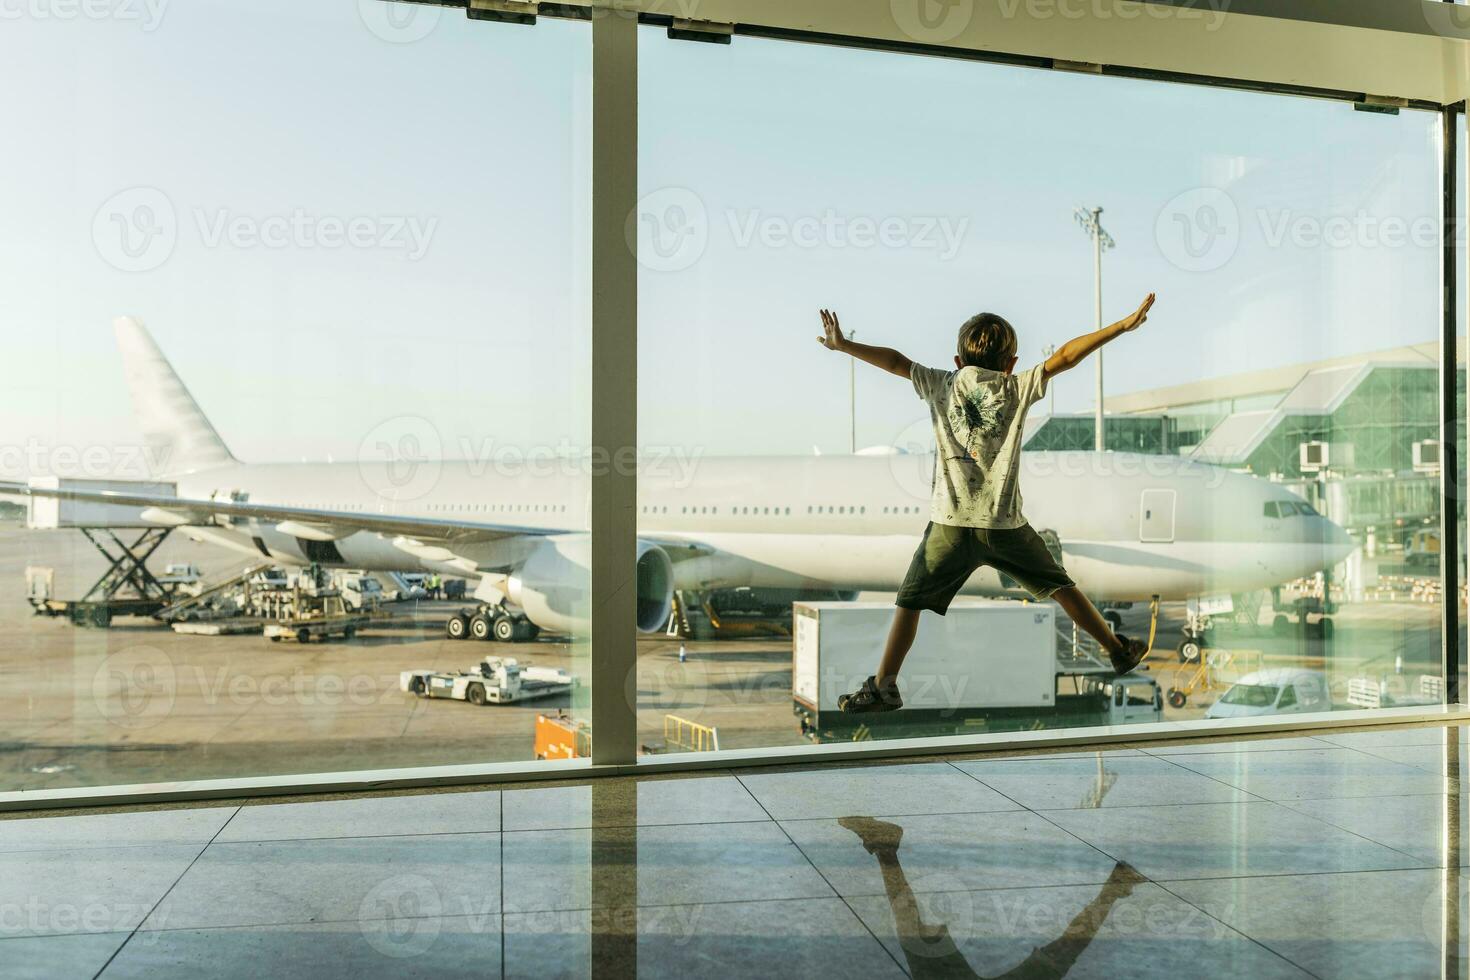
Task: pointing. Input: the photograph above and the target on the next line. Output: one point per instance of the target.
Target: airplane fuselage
(1129, 526)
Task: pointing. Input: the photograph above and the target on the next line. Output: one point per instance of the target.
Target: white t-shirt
(979, 420)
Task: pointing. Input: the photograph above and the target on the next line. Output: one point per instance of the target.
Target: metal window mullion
(614, 496)
(1449, 461)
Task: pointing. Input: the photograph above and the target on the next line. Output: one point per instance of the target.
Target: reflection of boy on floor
(979, 415)
(930, 951)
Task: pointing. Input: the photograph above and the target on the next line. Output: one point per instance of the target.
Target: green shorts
(949, 555)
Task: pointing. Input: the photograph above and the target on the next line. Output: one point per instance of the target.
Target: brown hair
(987, 341)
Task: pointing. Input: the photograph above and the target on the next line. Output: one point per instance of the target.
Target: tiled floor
(1334, 856)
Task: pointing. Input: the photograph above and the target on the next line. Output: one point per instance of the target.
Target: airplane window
(1273, 508)
(1288, 697)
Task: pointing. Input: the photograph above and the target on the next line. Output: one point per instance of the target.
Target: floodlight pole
(852, 399)
(1099, 440)
(1090, 220)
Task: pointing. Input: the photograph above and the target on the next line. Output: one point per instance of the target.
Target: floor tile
(1380, 924)
(281, 882)
(86, 890)
(1042, 783)
(1125, 927)
(872, 790)
(947, 852)
(1203, 840)
(1432, 758)
(804, 938)
(1411, 824)
(996, 757)
(432, 813)
(1312, 774)
(670, 865)
(74, 957)
(1419, 735)
(432, 946)
(190, 826)
(713, 799)
(1212, 746)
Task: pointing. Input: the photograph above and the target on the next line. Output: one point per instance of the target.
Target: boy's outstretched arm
(1075, 351)
(886, 358)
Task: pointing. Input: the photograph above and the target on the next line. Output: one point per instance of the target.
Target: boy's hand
(1136, 319)
(832, 339)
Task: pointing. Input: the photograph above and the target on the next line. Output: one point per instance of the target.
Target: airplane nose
(1337, 544)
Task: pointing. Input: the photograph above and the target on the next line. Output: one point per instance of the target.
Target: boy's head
(987, 341)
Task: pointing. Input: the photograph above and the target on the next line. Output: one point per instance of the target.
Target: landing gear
(1191, 649)
(1177, 698)
(491, 622)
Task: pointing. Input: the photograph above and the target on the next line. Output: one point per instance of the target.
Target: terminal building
(1354, 436)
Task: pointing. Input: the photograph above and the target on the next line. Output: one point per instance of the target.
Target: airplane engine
(551, 584)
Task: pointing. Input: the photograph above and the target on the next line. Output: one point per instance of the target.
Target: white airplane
(1129, 526)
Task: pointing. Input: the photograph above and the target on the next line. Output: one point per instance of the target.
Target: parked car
(1278, 691)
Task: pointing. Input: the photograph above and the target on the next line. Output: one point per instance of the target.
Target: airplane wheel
(505, 629)
(475, 694)
(480, 627)
(1113, 619)
(457, 627)
(1177, 698)
(522, 632)
(1190, 650)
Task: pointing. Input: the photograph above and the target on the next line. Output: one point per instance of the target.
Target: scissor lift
(127, 588)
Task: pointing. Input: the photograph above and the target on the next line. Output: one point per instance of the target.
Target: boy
(979, 414)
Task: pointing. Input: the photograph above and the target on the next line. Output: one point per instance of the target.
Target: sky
(335, 215)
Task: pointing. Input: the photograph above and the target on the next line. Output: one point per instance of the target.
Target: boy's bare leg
(1085, 615)
(900, 638)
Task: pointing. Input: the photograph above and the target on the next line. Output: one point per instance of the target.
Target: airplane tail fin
(177, 434)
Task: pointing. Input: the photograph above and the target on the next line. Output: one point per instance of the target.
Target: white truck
(989, 665)
(497, 680)
(361, 592)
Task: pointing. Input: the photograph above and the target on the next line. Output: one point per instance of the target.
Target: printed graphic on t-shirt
(977, 416)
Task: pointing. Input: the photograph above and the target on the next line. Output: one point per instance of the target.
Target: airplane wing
(325, 525)
(308, 522)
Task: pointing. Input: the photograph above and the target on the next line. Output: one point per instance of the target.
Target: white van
(1278, 691)
(361, 592)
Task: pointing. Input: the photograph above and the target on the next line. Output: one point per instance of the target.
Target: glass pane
(333, 257)
(1270, 432)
